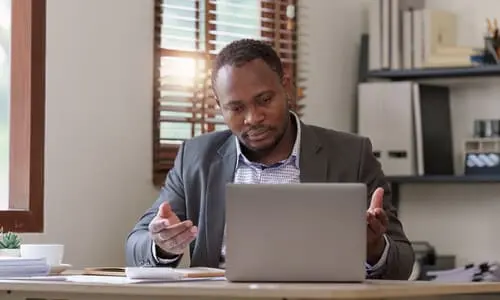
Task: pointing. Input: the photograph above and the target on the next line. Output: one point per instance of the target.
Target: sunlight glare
(185, 71)
(5, 14)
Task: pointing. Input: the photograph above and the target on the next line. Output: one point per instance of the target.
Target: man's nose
(254, 116)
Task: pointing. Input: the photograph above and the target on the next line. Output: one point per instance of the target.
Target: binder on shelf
(407, 34)
(437, 141)
(385, 116)
(409, 126)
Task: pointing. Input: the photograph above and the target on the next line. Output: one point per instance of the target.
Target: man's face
(254, 104)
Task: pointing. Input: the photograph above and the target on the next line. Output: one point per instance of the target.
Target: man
(265, 143)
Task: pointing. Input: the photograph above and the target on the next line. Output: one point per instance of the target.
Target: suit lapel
(312, 159)
(220, 173)
(313, 168)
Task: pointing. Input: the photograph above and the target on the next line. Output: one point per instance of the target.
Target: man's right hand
(169, 233)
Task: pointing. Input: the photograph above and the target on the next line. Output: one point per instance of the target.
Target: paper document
(133, 275)
(489, 272)
(172, 273)
(23, 267)
(34, 278)
(126, 280)
(104, 279)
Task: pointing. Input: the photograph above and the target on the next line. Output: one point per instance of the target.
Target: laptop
(305, 232)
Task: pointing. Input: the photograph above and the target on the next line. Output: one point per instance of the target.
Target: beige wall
(98, 134)
(458, 219)
(98, 152)
(461, 219)
(329, 37)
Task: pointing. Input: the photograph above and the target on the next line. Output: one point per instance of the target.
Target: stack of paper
(131, 275)
(23, 267)
(156, 272)
(153, 273)
(488, 272)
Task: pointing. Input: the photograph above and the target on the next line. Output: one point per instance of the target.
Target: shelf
(396, 181)
(445, 179)
(451, 75)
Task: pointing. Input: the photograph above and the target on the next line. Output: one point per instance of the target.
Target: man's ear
(214, 95)
(287, 86)
(285, 81)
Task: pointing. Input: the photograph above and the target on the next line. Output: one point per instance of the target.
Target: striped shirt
(285, 171)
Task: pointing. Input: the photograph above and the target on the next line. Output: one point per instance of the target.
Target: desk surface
(367, 290)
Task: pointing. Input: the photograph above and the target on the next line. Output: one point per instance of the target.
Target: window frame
(27, 118)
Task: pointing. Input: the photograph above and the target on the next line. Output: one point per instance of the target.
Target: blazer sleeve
(139, 245)
(400, 257)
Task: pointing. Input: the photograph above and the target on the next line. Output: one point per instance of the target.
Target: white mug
(53, 253)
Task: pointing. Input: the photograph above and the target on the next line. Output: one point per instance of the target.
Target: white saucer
(58, 269)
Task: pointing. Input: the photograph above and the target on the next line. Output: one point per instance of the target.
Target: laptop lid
(307, 232)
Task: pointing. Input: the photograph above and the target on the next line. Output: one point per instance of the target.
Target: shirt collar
(295, 151)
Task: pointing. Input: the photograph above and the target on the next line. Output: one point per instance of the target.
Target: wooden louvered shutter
(281, 32)
(188, 35)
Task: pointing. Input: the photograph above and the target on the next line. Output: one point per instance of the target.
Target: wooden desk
(17, 290)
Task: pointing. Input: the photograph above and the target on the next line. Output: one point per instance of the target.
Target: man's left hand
(377, 221)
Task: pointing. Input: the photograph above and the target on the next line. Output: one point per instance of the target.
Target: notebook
(155, 272)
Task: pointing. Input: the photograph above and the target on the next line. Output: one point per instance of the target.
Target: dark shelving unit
(445, 179)
(435, 76)
(396, 181)
(436, 73)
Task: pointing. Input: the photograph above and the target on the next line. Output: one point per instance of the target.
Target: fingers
(377, 199)
(165, 212)
(173, 230)
(169, 233)
(376, 226)
(176, 244)
(378, 215)
(381, 216)
(377, 222)
(157, 225)
(182, 241)
(164, 217)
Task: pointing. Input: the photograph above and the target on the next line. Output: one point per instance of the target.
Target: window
(188, 34)
(22, 111)
(5, 29)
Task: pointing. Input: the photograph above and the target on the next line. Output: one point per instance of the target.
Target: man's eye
(236, 108)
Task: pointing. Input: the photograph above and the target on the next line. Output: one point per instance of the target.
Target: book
(23, 267)
(155, 272)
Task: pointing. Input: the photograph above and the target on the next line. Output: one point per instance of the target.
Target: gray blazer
(195, 188)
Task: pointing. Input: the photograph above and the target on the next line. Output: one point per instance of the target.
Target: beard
(278, 135)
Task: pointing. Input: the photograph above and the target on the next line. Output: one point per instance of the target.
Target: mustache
(254, 130)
